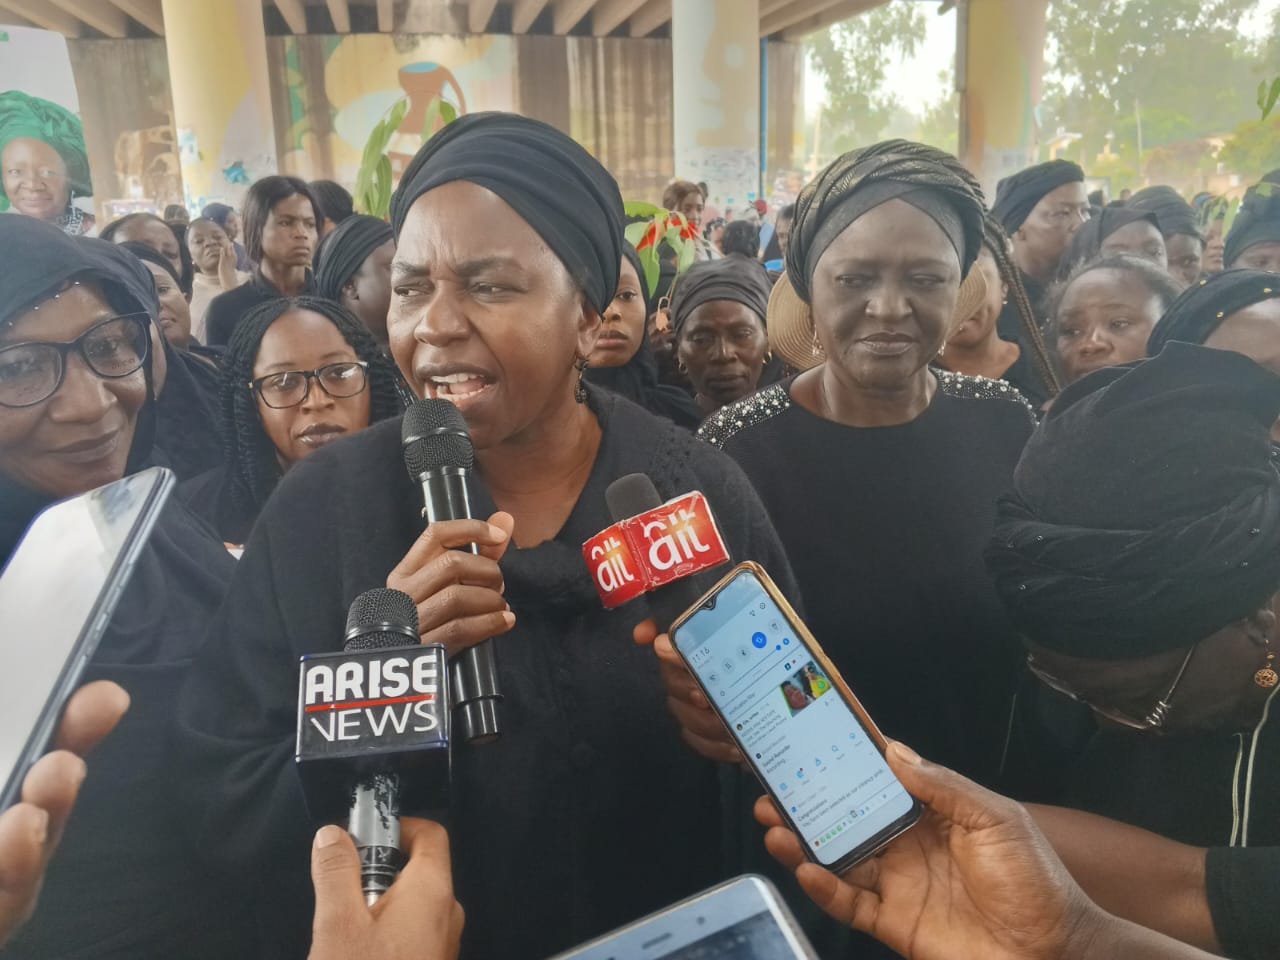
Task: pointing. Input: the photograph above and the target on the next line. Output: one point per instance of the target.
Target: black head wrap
(1174, 215)
(546, 177)
(1018, 194)
(1146, 509)
(732, 278)
(345, 250)
(1201, 308)
(1258, 221)
(219, 213)
(1086, 244)
(928, 179)
(637, 379)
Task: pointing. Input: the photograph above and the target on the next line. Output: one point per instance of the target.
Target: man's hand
(30, 830)
(700, 727)
(417, 919)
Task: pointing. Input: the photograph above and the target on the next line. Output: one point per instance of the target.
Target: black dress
(122, 883)
(229, 308)
(885, 528)
(589, 812)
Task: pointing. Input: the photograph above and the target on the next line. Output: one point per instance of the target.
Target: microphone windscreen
(381, 618)
(434, 434)
(631, 496)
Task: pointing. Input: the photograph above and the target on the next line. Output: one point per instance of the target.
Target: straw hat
(790, 321)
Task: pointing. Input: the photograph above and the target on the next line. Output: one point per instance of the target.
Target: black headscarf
(344, 251)
(1146, 509)
(737, 279)
(550, 180)
(928, 179)
(1086, 244)
(637, 379)
(1201, 308)
(1257, 221)
(1018, 193)
(1173, 214)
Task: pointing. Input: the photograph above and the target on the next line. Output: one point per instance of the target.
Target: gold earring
(580, 391)
(1267, 677)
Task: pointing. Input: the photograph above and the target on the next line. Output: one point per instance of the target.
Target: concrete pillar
(715, 56)
(221, 101)
(1000, 67)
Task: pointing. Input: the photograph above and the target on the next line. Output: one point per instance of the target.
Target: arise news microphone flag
(439, 455)
(373, 731)
(653, 548)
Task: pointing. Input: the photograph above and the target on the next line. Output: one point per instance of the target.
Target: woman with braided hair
(297, 375)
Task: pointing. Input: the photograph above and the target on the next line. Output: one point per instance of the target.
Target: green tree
(851, 57)
(1254, 148)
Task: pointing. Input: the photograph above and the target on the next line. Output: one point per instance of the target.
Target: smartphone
(57, 594)
(743, 919)
(806, 736)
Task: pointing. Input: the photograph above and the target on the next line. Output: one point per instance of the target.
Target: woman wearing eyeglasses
(78, 410)
(1139, 557)
(298, 375)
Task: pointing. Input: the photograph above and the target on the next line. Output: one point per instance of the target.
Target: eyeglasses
(31, 373)
(292, 387)
(1153, 720)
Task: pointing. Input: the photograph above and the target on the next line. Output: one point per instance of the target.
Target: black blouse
(229, 308)
(589, 812)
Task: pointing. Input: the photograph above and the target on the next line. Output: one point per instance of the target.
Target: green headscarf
(27, 117)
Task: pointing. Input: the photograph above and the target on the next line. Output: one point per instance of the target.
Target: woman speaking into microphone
(590, 810)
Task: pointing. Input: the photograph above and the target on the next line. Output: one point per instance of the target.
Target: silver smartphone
(57, 594)
(743, 919)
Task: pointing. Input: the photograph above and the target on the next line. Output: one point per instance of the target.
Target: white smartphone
(57, 594)
(797, 723)
(743, 919)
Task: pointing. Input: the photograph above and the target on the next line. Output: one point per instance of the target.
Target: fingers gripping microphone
(378, 619)
(439, 455)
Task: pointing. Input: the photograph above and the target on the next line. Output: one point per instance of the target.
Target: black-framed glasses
(1154, 720)
(31, 373)
(288, 388)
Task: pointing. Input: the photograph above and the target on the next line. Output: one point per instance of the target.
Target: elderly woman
(78, 410)
(297, 375)
(1254, 239)
(721, 345)
(508, 247)
(1103, 314)
(1137, 555)
(354, 269)
(44, 167)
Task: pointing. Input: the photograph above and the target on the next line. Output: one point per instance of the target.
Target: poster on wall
(44, 165)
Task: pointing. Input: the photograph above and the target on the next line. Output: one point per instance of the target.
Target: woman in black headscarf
(149, 229)
(1183, 241)
(721, 344)
(354, 269)
(1116, 231)
(1254, 239)
(286, 416)
(121, 884)
(508, 249)
(623, 360)
(1139, 556)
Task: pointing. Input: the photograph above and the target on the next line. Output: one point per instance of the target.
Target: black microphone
(373, 731)
(631, 496)
(439, 455)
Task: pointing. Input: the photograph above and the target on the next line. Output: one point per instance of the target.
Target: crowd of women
(1013, 461)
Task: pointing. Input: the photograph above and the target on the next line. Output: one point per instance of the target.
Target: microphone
(373, 731)
(439, 455)
(654, 548)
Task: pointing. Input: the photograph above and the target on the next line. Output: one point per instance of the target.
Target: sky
(916, 79)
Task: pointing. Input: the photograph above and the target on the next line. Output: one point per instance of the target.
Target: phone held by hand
(743, 919)
(808, 739)
(57, 594)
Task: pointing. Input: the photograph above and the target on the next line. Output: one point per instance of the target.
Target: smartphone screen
(57, 592)
(744, 919)
(805, 742)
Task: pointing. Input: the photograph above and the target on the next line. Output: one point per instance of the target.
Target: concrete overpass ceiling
(95, 19)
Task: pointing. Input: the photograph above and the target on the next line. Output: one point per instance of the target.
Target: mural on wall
(336, 89)
(44, 164)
